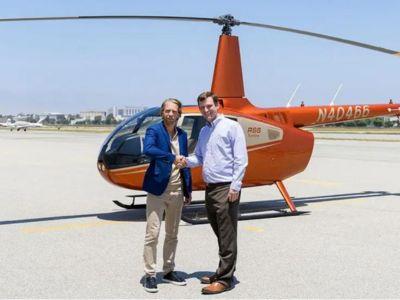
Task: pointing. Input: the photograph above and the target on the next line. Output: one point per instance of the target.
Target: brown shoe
(215, 288)
(208, 279)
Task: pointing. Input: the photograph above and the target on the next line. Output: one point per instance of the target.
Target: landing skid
(286, 196)
(247, 211)
(132, 205)
(195, 214)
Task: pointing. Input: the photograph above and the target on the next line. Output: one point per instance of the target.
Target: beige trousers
(171, 201)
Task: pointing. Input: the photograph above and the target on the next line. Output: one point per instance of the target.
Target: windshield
(124, 146)
(135, 124)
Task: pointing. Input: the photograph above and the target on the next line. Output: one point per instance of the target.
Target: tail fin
(41, 120)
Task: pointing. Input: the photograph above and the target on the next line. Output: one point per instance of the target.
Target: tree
(110, 119)
(97, 120)
(388, 124)
(349, 124)
(378, 122)
(361, 123)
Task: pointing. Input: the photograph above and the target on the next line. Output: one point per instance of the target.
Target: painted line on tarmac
(254, 229)
(68, 226)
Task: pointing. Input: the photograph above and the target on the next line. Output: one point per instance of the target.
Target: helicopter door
(192, 126)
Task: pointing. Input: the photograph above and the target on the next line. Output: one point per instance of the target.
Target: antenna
(337, 92)
(293, 94)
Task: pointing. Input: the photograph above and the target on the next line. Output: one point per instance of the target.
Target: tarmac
(62, 237)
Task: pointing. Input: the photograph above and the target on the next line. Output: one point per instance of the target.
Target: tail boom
(318, 115)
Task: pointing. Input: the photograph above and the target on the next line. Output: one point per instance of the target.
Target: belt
(215, 184)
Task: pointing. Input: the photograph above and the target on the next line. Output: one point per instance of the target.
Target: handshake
(180, 161)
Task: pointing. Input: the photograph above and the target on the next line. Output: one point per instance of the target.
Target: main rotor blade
(227, 21)
(324, 36)
(172, 18)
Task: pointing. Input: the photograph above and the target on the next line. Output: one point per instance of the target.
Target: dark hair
(203, 96)
(173, 100)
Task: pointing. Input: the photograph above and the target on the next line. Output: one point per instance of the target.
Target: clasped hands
(180, 161)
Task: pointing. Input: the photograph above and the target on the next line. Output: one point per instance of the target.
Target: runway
(62, 237)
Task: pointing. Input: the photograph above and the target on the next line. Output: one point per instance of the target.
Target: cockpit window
(139, 122)
(146, 123)
(124, 146)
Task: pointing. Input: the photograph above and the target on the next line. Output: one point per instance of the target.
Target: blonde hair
(173, 100)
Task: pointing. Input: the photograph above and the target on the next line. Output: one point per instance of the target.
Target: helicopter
(278, 148)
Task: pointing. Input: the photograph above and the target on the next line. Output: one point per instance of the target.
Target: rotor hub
(227, 21)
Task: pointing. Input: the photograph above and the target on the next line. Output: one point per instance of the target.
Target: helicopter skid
(286, 196)
(132, 205)
(245, 213)
(196, 214)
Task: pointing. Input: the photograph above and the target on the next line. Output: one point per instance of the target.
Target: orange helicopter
(277, 146)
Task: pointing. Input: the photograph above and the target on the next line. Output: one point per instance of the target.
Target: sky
(72, 66)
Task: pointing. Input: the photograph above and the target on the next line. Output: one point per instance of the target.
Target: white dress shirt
(221, 149)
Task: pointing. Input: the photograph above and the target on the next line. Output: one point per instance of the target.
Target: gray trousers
(223, 217)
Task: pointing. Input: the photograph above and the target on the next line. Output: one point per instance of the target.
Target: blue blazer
(157, 146)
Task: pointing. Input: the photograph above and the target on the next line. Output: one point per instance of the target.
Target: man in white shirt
(221, 150)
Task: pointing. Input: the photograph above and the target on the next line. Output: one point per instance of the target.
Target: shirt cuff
(236, 186)
(191, 161)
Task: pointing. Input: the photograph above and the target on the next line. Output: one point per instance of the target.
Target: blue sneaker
(150, 284)
(174, 278)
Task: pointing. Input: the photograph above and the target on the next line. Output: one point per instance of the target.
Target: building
(125, 112)
(394, 120)
(93, 115)
(52, 117)
(129, 111)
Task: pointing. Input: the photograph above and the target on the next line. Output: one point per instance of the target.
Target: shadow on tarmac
(248, 210)
(197, 275)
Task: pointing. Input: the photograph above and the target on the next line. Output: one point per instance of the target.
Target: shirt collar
(216, 121)
(175, 135)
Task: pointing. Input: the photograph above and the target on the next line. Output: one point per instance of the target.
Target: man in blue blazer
(169, 188)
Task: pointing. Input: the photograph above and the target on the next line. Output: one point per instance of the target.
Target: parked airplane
(18, 125)
(6, 124)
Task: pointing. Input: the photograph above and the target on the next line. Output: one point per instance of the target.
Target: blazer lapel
(166, 136)
(181, 140)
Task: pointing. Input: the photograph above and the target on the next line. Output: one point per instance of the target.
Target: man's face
(170, 113)
(208, 109)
